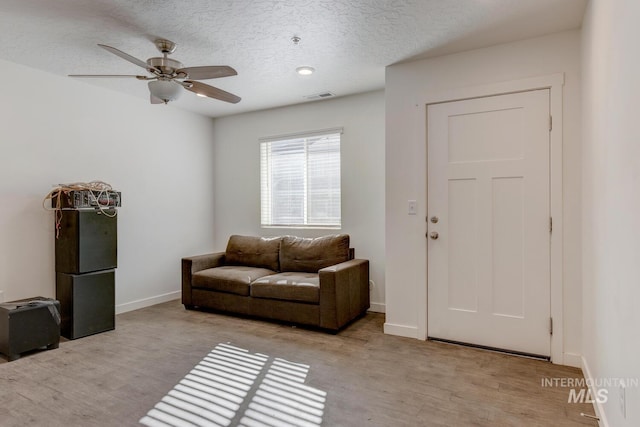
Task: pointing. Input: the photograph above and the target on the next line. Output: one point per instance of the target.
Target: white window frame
(266, 197)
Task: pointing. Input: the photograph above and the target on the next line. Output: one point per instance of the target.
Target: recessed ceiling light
(305, 71)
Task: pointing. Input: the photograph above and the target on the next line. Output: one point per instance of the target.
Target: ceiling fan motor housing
(167, 66)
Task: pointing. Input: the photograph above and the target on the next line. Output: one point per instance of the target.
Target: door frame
(554, 83)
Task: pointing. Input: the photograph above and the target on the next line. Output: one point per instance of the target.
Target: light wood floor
(371, 379)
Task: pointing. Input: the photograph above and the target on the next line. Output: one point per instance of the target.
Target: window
(300, 180)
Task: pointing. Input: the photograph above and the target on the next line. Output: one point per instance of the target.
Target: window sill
(304, 227)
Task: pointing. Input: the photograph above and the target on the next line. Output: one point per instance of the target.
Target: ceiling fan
(169, 76)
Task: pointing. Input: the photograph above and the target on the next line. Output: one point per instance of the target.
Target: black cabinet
(87, 302)
(86, 255)
(87, 241)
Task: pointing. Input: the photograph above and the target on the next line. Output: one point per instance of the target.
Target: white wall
(237, 168)
(59, 130)
(611, 201)
(407, 86)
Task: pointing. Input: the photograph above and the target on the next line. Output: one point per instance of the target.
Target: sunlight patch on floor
(231, 387)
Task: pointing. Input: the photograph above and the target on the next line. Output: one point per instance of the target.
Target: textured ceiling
(348, 42)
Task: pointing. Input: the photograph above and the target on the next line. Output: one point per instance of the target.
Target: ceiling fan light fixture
(166, 90)
(305, 70)
(201, 95)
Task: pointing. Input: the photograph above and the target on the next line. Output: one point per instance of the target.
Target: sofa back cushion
(253, 251)
(310, 255)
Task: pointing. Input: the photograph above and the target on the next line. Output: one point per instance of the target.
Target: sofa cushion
(310, 255)
(231, 279)
(303, 287)
(253, 251)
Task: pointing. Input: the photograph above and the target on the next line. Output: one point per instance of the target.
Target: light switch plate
(1, 296)
(413, 207)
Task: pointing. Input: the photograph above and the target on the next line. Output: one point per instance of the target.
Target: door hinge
(550, 225)
(551, 326)
(550, 123)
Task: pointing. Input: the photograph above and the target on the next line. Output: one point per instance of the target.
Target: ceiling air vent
(322, 95)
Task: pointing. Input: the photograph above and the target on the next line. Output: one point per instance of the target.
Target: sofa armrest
(194, 264)
(344, 292)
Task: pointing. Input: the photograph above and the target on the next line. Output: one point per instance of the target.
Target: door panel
(465, 129)
(488, 184)
(463, 269)
(508, 246)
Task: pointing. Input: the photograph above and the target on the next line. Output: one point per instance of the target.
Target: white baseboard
(572, 359)
(147, 302)
(159, 299)
(597, 406)
(401, 330)
(378, 307)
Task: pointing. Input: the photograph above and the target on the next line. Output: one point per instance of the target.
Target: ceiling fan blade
(211, 92)
(117, 76)
(207, 72)
(129, 58)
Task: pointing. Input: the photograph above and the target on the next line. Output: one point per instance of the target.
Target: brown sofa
(304, 281)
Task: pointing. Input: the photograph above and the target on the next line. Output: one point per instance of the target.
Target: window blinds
(300, 180)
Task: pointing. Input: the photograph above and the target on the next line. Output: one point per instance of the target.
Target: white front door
(488, 201)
